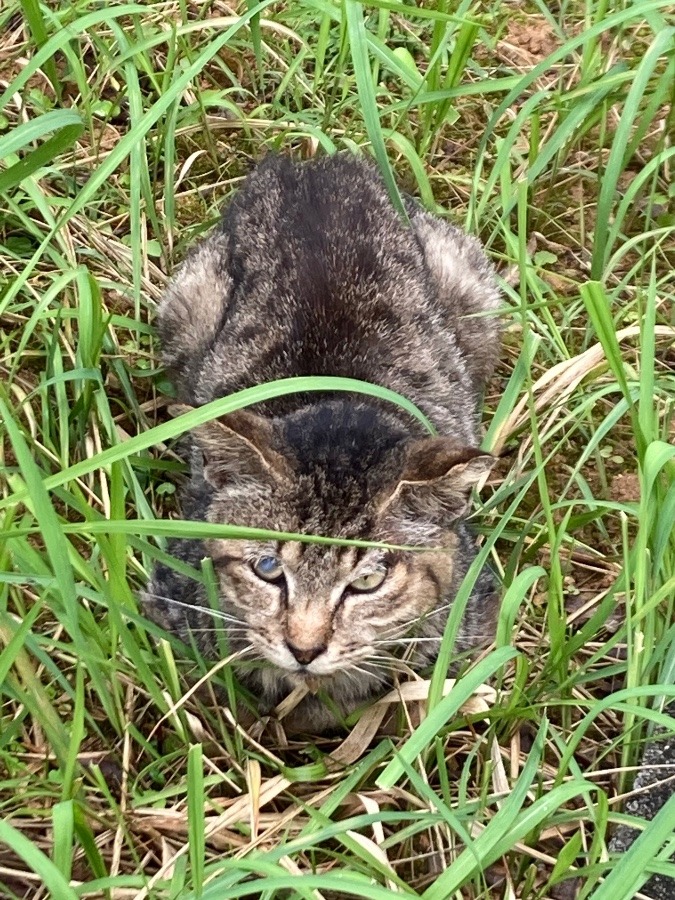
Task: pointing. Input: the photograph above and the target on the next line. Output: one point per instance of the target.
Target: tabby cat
(313, 272)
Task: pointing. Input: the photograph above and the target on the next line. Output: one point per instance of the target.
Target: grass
(123, 128)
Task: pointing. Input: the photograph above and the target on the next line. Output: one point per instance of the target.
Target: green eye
(369, 582)
(268, 568)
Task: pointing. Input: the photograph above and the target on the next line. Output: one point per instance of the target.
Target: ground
(547, 132)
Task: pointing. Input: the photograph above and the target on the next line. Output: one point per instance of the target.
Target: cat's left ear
(437, 478)
(237, 447)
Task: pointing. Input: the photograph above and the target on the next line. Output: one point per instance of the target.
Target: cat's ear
(437, 477)
(237, 447)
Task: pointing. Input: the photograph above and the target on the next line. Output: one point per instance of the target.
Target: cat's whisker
(254, 657)
(386, 660)
(425, 616)
(365, 671)
(193, 607)
(404, 640)
(402, 627)
(250, 656)
(351, 675)
(431, 612)
(384, 654)
(218, 629)
(228, 619)
(476, 637)
(388, 665)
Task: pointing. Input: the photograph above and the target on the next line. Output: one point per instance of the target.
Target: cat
(312, 271)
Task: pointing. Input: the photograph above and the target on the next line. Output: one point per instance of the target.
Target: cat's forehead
(343, 444)
(330, 506)
(309, 556)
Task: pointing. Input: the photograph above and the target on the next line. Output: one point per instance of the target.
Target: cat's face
(317, 611)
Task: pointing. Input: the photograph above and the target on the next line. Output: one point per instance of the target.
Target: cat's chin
(276, 677)
(313, 683)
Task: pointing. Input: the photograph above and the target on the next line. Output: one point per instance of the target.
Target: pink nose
(305, 655)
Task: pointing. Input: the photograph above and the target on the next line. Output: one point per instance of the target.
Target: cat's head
(343, 470)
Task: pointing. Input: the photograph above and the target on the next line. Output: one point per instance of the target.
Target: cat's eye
(369, 582)
(268, 568)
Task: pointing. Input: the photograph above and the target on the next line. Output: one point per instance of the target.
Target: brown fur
(312, 272)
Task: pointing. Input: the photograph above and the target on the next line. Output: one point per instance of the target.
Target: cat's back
(313, 272)
(332, 208)
(325, 273)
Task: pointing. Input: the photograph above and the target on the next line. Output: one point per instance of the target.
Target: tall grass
(123, 127)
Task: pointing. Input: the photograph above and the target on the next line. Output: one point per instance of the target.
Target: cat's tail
(466, 288)
(192, 311)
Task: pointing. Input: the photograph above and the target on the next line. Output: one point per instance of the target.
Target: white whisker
(411, 640)
(214, 629)
(402, 627)
(216, 613)
(370, 674)
(388, 665)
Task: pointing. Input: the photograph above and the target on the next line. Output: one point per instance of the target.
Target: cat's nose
(305, 655)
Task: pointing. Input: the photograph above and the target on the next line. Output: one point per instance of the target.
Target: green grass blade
(52, 879)
(64, 831)
(36, 23)
(629, 873)
(358, 45)
(56, 544)
(618, 157)
(61, 38)
(423, 736)
(196, 802)
(45, 153)
(221, 407)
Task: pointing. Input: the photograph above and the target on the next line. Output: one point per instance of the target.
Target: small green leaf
(405, 57)
(544, 258)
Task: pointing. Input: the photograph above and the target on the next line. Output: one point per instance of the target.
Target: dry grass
(122, 775)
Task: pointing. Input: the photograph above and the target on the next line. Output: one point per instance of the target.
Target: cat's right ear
(237, 447)
(437, 477)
